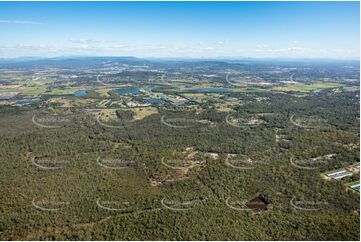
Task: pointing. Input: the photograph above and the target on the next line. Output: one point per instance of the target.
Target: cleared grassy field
(64, 91)
(25, 90)
(31, 82)
(308, 88)
(194, 95)
(141, 113)
(103, 92)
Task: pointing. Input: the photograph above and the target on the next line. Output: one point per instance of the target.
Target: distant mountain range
(95, 60)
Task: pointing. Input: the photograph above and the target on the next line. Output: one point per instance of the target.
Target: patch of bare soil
(178, 172)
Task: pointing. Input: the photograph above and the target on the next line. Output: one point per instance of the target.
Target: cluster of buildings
(342, 173)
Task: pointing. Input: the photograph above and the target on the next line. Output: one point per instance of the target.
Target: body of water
(27, 101)
(155, 100)
(5, 97)
(80, 93)
(128, 91)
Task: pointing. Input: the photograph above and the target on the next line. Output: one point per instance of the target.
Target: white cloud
(293, 49)
(20, 22)
(119, 48)
(90, 41)
(297, 50)
(260, 46)
(97, 44)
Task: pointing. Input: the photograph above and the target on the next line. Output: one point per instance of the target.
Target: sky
(181, 29)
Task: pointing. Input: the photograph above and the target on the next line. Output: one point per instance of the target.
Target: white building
(338, 174)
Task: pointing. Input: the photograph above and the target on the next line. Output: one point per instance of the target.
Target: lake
(80, 93)
(128, 91)
(155, 100)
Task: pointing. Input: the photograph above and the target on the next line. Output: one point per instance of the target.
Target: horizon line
(182, 57)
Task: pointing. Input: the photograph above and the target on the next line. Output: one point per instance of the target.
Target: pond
(4, 97)
(128, 91)
(80, 93)
(27, 101)
(155, 100)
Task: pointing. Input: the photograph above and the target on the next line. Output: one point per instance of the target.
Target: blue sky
(181, 29)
